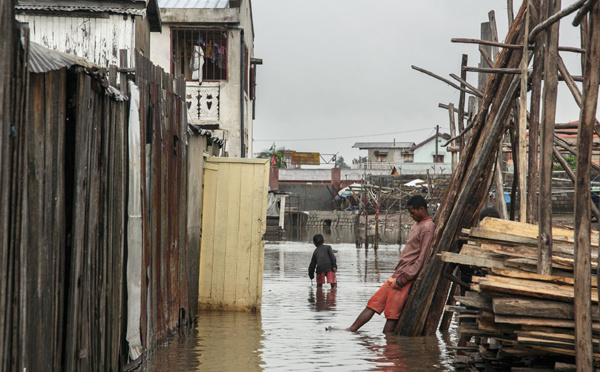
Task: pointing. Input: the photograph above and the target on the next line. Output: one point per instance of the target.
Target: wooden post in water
(547, 134)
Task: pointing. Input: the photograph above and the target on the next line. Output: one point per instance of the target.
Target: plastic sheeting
(134, 229)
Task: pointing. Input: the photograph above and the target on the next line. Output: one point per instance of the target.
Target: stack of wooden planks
(522, 319)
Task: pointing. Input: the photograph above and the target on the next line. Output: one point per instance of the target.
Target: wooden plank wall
(163, 118)
(234, 217)
(62, 212)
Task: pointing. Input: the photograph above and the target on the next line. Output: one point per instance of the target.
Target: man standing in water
(392, 295)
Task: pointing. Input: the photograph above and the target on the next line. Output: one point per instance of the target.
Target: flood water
(291, 333)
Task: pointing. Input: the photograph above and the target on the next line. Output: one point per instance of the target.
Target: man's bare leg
(362, 319)
(390, 324)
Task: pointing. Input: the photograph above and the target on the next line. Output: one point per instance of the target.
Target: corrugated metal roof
(194, 4)
(383, 145)
(81, 8)
(42, 59)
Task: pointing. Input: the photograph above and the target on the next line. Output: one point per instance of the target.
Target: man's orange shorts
(330, 275)
(389, 300)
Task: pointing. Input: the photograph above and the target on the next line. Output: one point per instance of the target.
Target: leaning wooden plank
(530, 288)
(536, 308)
(469, 260)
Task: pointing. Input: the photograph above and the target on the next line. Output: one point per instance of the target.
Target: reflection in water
(305, 331)
(229, 341)
(324, 299)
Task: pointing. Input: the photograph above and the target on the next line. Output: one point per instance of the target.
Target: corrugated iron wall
(164, 209)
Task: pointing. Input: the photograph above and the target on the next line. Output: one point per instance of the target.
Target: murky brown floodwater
(290, 333)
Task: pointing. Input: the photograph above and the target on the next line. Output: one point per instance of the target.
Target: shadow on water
(302, 327)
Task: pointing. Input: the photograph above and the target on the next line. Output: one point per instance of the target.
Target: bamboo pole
(547, 133)
(582, 271)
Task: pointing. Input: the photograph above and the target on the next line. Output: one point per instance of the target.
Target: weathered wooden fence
(64, 252)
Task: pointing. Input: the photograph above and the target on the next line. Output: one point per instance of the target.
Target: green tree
(276, 155)
(571, 160)
(340, 163)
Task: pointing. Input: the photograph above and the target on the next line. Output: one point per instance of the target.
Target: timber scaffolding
(532, 36)
(377, 196)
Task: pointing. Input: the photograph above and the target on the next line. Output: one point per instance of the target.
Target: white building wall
(98, 40)
(424, 153)
(230, 112)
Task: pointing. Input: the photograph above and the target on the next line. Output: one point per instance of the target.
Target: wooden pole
(582, 270)
(461, 100)
(452, 134)
(547, 133)
(509, 10)
(499, 183)
(523, 126)
(534, 130)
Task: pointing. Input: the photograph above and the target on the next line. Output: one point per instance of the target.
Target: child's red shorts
(330, 275)
(390, 300)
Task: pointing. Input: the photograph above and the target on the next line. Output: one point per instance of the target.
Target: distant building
(408, 157)
(211, 42)
(384, 155)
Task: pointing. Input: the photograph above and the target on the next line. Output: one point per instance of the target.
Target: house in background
(211, 42)
(93, 30)
(408, 158)
(383, 155)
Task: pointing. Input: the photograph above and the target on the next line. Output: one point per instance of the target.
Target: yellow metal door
(233, 223)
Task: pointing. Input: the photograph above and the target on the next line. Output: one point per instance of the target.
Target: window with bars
(199, 54)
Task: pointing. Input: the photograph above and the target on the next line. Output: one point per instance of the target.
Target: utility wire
(331, 138)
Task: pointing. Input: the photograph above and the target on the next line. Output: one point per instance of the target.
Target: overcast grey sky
(337, 72)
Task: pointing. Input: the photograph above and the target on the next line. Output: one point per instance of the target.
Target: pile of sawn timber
(523, 320)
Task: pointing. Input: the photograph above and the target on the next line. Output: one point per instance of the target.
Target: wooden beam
(512, 71)
(554, 18)
(443, 79)
(461, 99)
(522, 131)
(547, 133)
(583, 321)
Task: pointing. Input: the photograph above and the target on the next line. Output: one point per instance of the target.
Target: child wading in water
(324, 261)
